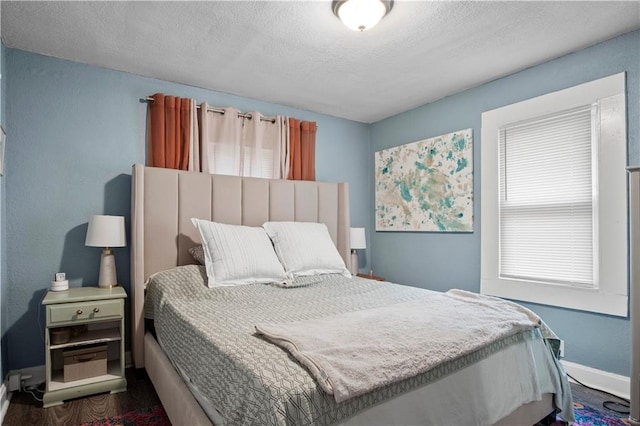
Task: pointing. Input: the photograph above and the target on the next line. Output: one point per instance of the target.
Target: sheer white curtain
(265, 146)
(221, 134)
(236, 145)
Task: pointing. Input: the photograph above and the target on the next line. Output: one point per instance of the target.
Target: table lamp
(358, 241)
(106, 231)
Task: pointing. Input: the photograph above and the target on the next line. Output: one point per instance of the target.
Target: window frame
(611, 296)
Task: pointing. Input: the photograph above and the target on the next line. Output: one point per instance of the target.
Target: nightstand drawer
(85, 311)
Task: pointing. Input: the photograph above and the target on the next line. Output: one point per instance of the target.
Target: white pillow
(237, 255)
(305, 248)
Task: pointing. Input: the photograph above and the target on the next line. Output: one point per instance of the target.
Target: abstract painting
(426, 185)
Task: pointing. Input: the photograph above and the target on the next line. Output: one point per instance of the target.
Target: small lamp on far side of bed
(358, 241)
(106, 232)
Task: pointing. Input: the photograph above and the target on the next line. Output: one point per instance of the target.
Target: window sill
(561, 296)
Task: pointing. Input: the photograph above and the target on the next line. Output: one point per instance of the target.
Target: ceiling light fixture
(361, 15)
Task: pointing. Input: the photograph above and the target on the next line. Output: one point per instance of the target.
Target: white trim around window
(610, 194)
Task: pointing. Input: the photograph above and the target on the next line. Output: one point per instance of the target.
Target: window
(233, 143)
(554, 212)
(225, 159)
(546, 199)
(259, 162)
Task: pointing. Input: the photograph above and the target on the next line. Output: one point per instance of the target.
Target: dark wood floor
(25, 410)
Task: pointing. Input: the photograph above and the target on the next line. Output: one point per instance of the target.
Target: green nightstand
(91, 323)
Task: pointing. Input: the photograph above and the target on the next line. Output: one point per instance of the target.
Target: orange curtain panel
(169, 132)
(302, 150)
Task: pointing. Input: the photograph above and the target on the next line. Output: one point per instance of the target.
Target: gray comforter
(210, 335)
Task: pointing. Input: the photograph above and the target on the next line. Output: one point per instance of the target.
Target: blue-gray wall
(75, 132)
(443, 261)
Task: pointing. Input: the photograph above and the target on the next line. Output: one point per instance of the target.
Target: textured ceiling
(299, 54)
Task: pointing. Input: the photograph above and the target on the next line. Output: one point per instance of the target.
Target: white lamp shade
(360, 15)
(106, 231)
(358, 238)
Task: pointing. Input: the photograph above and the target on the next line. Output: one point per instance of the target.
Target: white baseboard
(4, 402)
(603, 380)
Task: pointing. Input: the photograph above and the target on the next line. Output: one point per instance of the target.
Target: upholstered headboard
(164, 201)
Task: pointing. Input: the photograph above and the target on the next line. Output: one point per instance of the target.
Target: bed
(164, 201)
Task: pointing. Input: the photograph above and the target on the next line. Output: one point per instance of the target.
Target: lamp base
(354, 262)
(108, 276)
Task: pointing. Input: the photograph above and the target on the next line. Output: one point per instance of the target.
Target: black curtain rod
(218, 110)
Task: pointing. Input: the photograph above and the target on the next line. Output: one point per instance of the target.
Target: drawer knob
(96, 310)
(79, 312)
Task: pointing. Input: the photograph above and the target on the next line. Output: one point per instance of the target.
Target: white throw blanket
(353, 353)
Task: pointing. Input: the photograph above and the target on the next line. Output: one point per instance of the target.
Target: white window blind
(547, 201)
(258, 162)
(225, 159)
